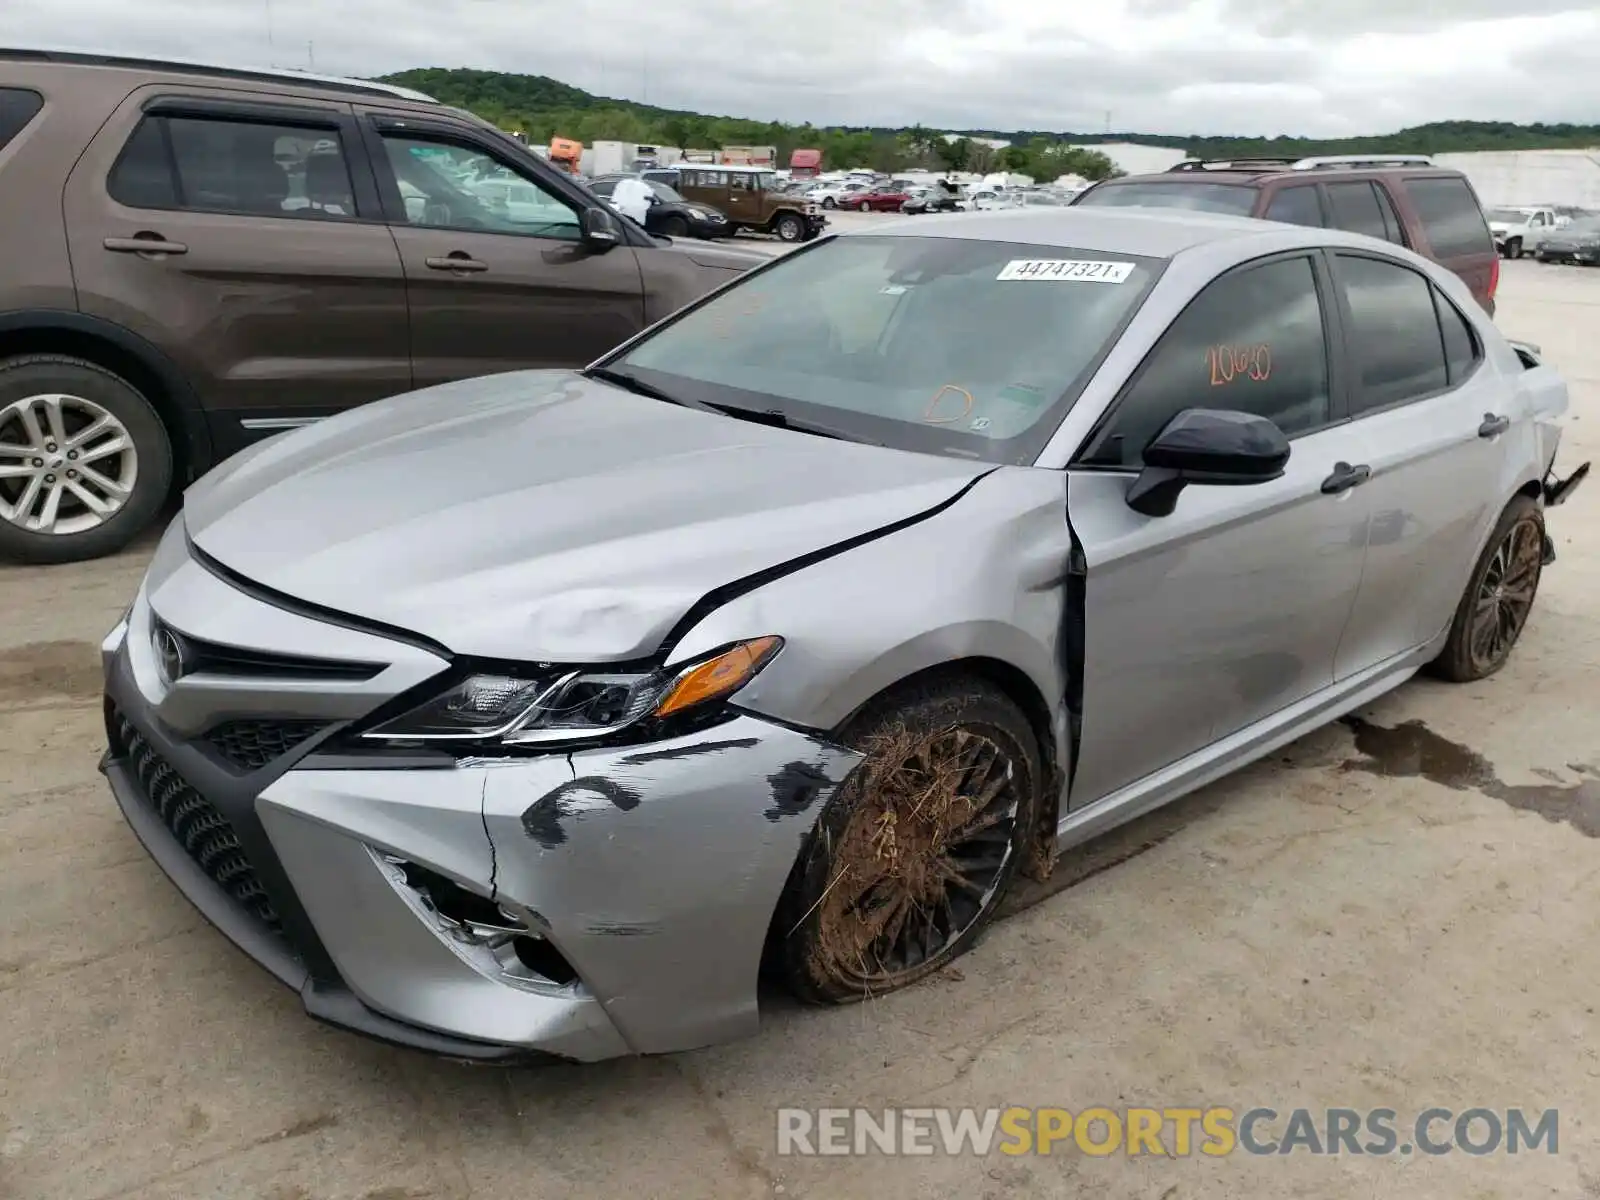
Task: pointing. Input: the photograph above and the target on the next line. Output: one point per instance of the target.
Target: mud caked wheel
(914, 852)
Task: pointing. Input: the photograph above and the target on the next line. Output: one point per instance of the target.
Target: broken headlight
(575, 705)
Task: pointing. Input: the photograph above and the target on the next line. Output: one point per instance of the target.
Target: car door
(243, 237)
(497, 275)
(1200, 623)
(1431, 418)
(1362, 206)
(744, 196)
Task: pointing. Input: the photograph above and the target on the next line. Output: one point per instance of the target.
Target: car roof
(1148, 232)
(183, 66)
(1251, 173)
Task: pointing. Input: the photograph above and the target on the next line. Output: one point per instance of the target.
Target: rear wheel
(789, 227)
(1499, 596)
(915, 850)
(85, 462)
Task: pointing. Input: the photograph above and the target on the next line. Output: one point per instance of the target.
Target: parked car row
(197, 258)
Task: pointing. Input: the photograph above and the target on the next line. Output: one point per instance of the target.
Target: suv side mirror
(1207, 446)
(600, 229)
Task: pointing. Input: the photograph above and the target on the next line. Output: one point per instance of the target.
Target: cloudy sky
(1319, 67)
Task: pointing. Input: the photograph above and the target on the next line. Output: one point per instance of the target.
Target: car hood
(542, 515)
(724, 257)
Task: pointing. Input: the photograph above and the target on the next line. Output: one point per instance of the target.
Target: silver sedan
(535, 714)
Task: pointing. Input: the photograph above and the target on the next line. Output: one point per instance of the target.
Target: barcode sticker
(1066, 270)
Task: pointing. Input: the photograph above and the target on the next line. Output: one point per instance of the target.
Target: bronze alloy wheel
(1505, 595)
(1499, 596)
(917, 848)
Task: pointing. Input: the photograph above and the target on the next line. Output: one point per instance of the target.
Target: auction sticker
(1066, 270)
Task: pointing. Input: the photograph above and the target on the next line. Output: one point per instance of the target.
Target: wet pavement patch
(1412, 750)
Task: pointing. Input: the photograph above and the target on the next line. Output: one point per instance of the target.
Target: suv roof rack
(1357, 161)
(1232, 164)
(192, 67)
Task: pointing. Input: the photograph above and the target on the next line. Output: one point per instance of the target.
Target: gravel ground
(1393, 916)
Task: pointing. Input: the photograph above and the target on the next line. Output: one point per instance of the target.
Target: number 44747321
(1228, 363)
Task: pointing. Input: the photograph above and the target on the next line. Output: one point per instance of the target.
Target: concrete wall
(1531, 176)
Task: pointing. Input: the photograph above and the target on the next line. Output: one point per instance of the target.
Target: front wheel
(85, 463)
(915, 850)
(675, 227)
(829, 202)
(865, 207)
(1499, 596)
(1514, 248)
(789, 228)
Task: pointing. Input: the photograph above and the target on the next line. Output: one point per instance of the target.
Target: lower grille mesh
(251, 745)
(202, 831)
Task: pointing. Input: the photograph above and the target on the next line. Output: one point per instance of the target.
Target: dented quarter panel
(984, 578)
(657, 869)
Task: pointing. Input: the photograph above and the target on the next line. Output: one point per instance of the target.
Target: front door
(745, 199)
(244, 240)
(498, 276)
(1431, 420)
(1203, 622)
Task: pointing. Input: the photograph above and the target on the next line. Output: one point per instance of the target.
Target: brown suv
(1401, 198)
(748, 195)
(196, 257)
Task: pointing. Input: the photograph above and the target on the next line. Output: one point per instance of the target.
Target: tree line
(542, 108)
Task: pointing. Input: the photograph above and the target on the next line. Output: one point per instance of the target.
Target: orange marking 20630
(1228, 363)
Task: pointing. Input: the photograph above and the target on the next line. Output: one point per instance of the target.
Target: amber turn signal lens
(727, 672)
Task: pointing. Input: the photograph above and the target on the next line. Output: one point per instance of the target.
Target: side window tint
(214, 164)
(1451, 218)
(1394, 333)
(1252, 342)
(1461, 350)
(1355, 208)
(463, 187)
(1392, 229)
(18, 106)
(1296, 206)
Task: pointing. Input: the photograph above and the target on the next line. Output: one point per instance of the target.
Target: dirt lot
(1398, 916)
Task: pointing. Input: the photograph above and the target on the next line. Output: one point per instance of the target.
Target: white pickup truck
(1519, 230)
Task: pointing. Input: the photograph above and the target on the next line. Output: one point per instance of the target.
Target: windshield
(664, 193)
(1204, 197)
(950, 346)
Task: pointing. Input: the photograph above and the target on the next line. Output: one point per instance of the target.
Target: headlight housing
(552, 707)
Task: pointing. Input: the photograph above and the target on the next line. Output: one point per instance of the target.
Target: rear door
(243, 237)
(1363, 206)
(497, 275)
(1201, 623)
(1431, 417)
(1453, 229)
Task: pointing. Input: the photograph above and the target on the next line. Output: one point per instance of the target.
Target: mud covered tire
(1498, 598)
(789, 227)
(951, 783)
(56, 374)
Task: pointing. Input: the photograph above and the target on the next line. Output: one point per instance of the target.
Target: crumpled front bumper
(651, 871)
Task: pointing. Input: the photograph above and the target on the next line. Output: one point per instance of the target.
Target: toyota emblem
(169, 653)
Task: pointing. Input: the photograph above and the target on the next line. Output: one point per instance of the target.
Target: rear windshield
(1195, 195)
(18, 106)
(1450, 215)
(944, 345)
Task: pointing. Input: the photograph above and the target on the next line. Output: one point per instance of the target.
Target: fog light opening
(543, 959)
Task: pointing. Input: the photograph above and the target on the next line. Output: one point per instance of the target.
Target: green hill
(542, 107)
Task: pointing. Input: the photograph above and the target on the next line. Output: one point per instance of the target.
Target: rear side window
(1355, 208)
(206, 164)
(1296, 206)
(1197, 196)
(1395, 340)
(1461, 350)
(1451, 218)
(18, 106)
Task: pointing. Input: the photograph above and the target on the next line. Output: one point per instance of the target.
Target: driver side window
(449, 186)
(1252, 342)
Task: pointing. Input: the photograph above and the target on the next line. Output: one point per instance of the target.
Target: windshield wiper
(781, 420)
(635, 385)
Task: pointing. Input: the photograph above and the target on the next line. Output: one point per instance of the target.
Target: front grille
(251, 745)
(194, 821)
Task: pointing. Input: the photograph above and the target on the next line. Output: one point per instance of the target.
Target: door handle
(144, 243)
(1493, 426)
(456, 261)
(1345, 477)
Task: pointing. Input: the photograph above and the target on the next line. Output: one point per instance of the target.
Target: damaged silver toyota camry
(536, 714)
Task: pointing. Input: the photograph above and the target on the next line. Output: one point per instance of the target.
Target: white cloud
(1319, 67)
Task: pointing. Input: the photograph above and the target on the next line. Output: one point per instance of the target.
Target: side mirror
(1207, 446)
(600, 229)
